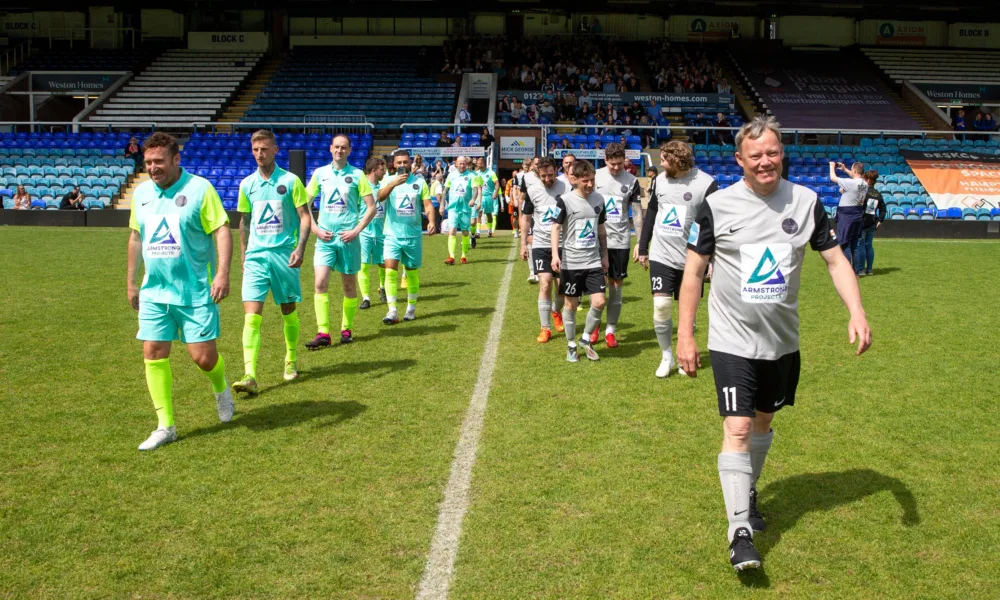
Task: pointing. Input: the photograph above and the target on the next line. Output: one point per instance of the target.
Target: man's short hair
(373, 163)
(679, 153)
(546, 163)
(756, 128)
(262, 135)
(400, 152)
(161, 140)
(858, 168)
(341, 135)
(614, 150)
(582, 168)
(569, 154)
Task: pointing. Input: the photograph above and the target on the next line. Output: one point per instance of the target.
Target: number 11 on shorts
(729, 396)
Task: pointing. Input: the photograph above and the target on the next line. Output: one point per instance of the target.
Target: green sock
(473, 226)
(414, 288)
(452, 245)
(322, 312)
(159, 380)
(218, 376)
(391, 287)
(251, 343)
(350, 309)
(381, 278)
(363, 281)
(466, 244)
(291, 335)
(493, 223)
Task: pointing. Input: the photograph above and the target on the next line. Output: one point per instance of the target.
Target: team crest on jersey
(164, 241)
(282, 190)
(181, 201)
(688, 196)
(348, 179)
(269, 222)
(673, 222)
(789, 226)
(587, 238)
(416, 186)
(624, 189)
(764, 270)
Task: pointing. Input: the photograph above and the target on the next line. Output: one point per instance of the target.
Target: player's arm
(134, 258)
(366, 194)
(842, 273)
(388, 186)
(300, 199)
(527, 210)
(425, 197)
(215, 222)
(496, 185)
(555, 234)
(602, 237)
(244, 208)
(701, 246)
(646, 235)
(477, 191)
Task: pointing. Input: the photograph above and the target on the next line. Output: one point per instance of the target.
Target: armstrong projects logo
(587, 238)
(765, 268)
(406, 207)
(673, 221)
(164, 242)
(335, 203)
(613, 209)
(269, 222)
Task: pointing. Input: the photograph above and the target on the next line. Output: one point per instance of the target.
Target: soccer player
(372, 238)
(580, 213)
(850, 210)
(404, 195)
(274, 228)
(491, 193)
(343, 190)
(539, 206)
(567, 165)
(756, 232)
(180, 233)
(619, 189)
(512, 207)
(674, 199)
(463, 190)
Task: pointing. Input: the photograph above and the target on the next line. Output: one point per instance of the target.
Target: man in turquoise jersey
(180, 234)
(462, 191)
(274, 228)
(373, 237)
(404, 195)
(342, 190)
(491, 193)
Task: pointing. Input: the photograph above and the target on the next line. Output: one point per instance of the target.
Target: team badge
(181, 200)
(348, 179)
(416, 186)
(282, 189)
(789, 226)
(688, 196)
(624, 189)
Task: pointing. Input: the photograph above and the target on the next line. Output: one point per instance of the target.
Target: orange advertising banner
(957, 179)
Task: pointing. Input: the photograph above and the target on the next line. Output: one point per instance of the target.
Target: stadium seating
(378, 84)
(225, 159)
(50, 164)
(180, 87)
(85, 59)
(919, 64)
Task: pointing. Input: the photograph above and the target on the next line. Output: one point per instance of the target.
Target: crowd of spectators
(676, 70)
(983, 121)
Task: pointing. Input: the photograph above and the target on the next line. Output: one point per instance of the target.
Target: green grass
(593, 480)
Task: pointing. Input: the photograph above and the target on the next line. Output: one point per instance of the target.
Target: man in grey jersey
(539, 206)
(584, 261)
(675, 197)
(755, 232)
(567, 164)
(518, 199)
(620, 189)
(850, 210)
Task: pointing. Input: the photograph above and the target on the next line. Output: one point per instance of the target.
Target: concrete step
(125, 202)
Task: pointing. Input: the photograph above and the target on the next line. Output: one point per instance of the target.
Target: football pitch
(592, 480)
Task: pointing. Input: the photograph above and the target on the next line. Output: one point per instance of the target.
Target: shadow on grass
(788, 500)
(482, 311)
(434, 284)
(275, 416)
(474, 260)
(885, 270)
(403, 329)
(373, 369)
(436, 297)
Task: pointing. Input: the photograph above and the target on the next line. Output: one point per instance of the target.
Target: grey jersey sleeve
(823, 237)
(561, 209)
(702, 236)
(649, 221)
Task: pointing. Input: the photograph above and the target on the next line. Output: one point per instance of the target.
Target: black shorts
(541, 260)
(664, 279)
(582, 282)
(746, 385)
(618, 259)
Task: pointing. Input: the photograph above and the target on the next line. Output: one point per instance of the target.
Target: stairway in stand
(235, 111)
(125, 201)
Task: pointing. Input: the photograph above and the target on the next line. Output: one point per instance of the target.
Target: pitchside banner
(620, 98)
(957, 179)
(589, 153)
(447, 152)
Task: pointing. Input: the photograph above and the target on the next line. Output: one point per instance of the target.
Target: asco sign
(253, 41)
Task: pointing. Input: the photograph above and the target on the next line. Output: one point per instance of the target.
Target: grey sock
(569, 322)
(614, 305)
(593, 322)
(558, 300)
(545, 313)
(760, 444)
(664, 333)
(735, 475)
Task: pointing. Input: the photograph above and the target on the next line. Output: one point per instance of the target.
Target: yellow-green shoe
(247, 385)
(290, 372)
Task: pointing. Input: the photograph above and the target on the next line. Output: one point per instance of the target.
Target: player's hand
(858, 330)
(323, 234)
(524, 253)
(133, 296)
(431, 229)
(295, 260)
(348, 236)
(711, 269)
(557, 264)
(688, 357)
(220, 288)
(399, 179)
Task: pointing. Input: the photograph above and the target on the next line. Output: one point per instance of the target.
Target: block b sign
(515, 148)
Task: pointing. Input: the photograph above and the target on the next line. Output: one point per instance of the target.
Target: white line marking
(444, 547)
(936, 241)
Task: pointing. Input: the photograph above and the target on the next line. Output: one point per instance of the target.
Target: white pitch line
(444, 546)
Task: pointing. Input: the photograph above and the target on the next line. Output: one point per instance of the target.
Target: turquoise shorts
(341, 257)
(407, 251)
(169, 322)
(459, 221)
(372, 250)
(489, 207)
(269, 270)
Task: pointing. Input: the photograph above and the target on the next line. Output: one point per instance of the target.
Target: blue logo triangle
(269, 217)
(406, 204)
(162, 234)
(767, 271)
(671, 219)
(611, 207)
(588, 231)
(336, 199)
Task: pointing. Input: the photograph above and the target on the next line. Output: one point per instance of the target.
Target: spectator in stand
(989, 123)
(418, 167)
(648, 135)
(548, 111)
(636, 111)
(504, 105)
(566, 144)
(22, 199)
(875, 211)
(959, 122)
(609, 86)
(73, 200)
(134, 151)
(596, 28)
(569, 107)
(722, 137)
(444, 141)
(630, 168)
(653, 111)
(464, 116)
(584, 27)
(517, 110)
(584, 99)
(486, 140)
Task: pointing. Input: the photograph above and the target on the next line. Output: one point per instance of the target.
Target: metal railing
(12, 56)
(117, 35)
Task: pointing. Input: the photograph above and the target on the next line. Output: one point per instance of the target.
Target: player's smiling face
(761, 162)
(584, 185)
(461, 164)
(340, 149)
(547, 175)
(567, 164)
(162, 166)
(615, 165)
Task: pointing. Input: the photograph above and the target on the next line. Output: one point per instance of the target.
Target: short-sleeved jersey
(404, 207)
(490, 183)
(540, 204)
(376, 229)
(619, 192)
(437, 188)
(176, 226)
(271, 204)
(580, 219)
(853, 191)
(340, 194)
(757, 244)
(565, 179)
(673, 206)
(460, 189)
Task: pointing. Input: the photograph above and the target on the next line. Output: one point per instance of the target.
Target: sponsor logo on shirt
(673, 222)
(613, 208)
(269, 222)
(335, 203)
(164, 241)
(550, 216)
(695, 232)
(406, 207)
(587, 238)
(764, 268)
